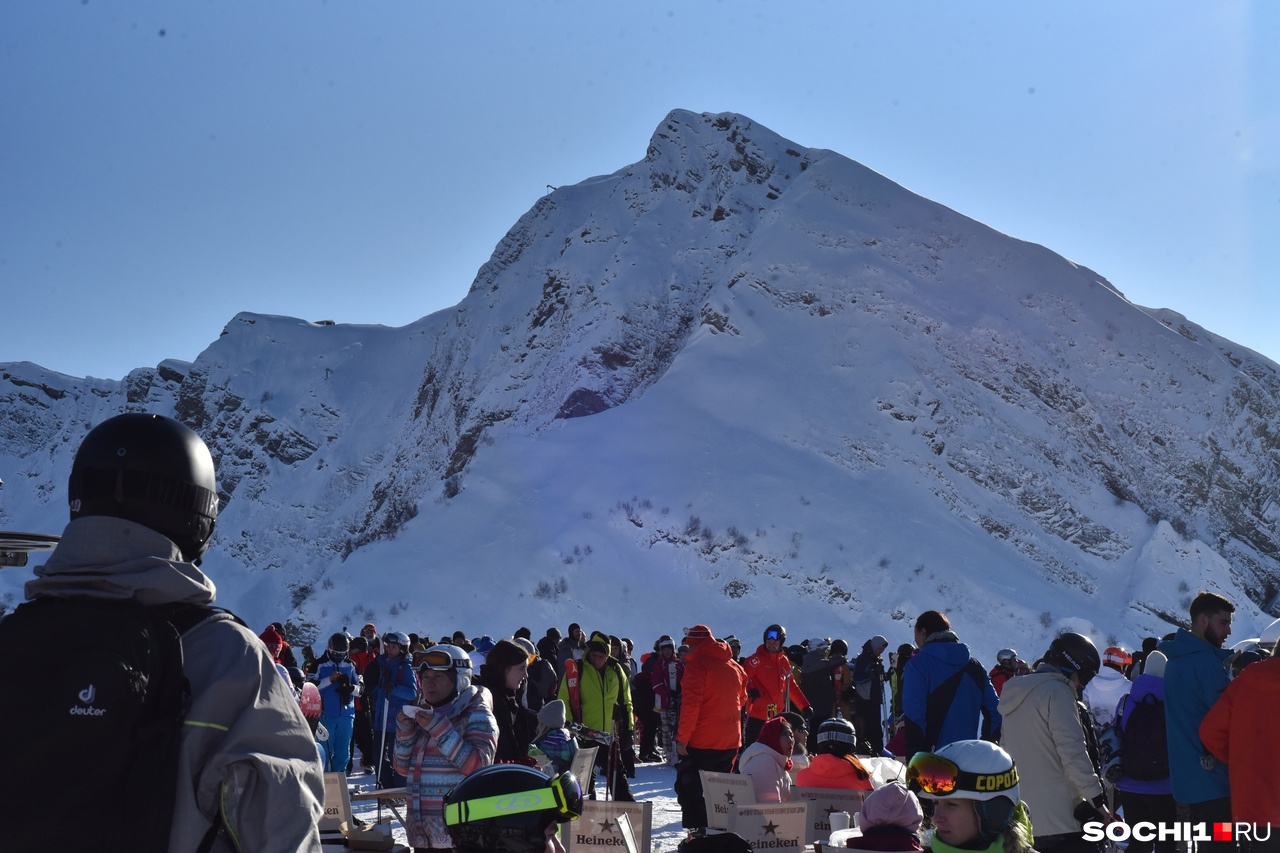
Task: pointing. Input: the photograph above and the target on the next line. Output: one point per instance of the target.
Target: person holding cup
(447, 734)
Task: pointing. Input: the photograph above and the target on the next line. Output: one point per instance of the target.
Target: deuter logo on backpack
(87, 696)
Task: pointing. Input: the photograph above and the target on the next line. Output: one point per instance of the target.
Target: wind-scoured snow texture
(738, 382)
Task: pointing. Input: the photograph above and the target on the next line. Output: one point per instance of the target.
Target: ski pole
(382, 753)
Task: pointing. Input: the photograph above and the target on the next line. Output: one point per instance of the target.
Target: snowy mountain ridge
(740, 381)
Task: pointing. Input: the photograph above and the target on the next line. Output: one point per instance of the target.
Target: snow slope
(737, 382)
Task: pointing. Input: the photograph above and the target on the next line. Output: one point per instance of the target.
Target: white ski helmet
(972, 770)
(448, 658)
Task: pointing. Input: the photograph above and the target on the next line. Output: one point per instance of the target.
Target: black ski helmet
(151, 470)
(779, 633)
(339, 644)
(836, 736)
(483, 814)
(1072, 652)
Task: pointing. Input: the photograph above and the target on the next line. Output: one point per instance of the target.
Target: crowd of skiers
(199, 726)
(1168, 734)
(1177, 735)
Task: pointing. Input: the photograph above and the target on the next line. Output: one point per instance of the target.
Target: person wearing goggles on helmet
(1049, 732)
(339, 684)
(448, 733)
(481, 818)
(974, 786)
(1007, 666)
(771, 689)
(391, 682)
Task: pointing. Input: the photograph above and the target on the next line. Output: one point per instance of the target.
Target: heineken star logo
(771, 828)
(728, 796)
(607, 826)
(830, 810)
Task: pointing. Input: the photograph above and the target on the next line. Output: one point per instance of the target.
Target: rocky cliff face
(741, 327)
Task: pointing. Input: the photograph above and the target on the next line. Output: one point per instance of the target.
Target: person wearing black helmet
(143, 504)
(834, 764)
(481, 818)
(770, 686)
(1048, 732)
(339, 684)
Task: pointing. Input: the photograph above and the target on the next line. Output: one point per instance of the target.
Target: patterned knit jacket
(436, 751)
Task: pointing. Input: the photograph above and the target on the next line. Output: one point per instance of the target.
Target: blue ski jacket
(331, 702)
(1194, 678)
(973, 710)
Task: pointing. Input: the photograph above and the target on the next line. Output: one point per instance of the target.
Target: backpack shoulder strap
(184, 617)
(938, 703)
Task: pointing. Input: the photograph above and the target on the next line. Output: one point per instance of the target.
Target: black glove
(1091, 810)
(753, 694)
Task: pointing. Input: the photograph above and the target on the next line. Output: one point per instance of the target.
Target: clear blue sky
(164, 165)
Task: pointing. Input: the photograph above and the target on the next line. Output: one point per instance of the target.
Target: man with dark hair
(945, 691)
(549, 646)
(1194, 678)
(572, 647)
(1139, 660)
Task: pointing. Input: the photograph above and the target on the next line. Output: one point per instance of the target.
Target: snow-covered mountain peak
(737, 382)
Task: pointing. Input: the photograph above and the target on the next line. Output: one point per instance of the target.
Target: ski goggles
(562, 794)
(941, 777)
(441, 661)
(772, 635)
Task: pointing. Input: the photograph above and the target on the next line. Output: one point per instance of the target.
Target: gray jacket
(246, 746)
